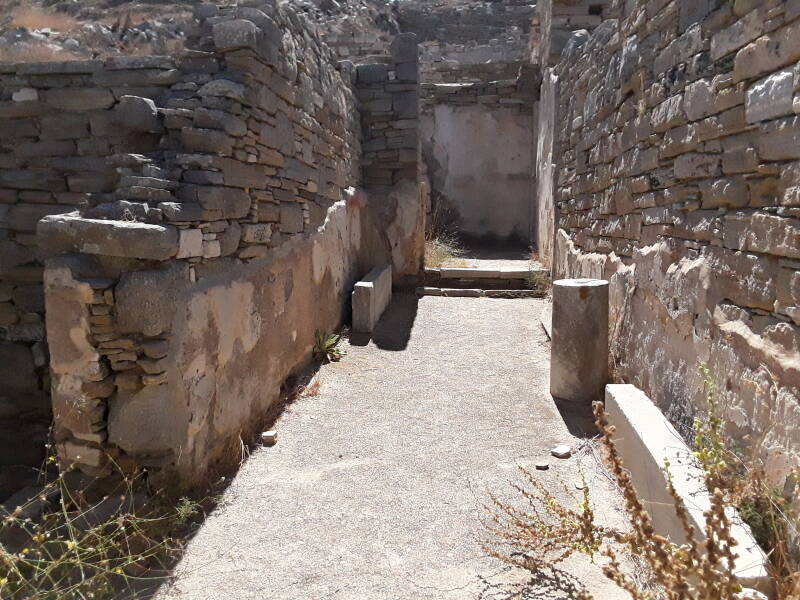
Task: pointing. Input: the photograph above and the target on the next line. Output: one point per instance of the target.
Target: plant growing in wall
(326, 347)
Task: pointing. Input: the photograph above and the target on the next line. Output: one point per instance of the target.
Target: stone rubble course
(673, 173)
(377, 486)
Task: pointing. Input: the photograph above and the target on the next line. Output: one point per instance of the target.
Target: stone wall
(467, 41)
(60, 121)
(390, 103)
(478, 141)
(677, 156)
(220, 224)
(554, 22)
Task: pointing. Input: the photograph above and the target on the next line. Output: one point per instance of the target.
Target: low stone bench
(370, 298)
(645, 439)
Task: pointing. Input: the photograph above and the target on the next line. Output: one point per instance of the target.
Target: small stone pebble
(579, 485)
(542, 466)
(269, 438)
(561, 451)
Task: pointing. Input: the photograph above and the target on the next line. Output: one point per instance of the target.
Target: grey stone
(770, 97)
(175, 211)
(223, 88)
(370, 298)
(376, 73)
(404, 48)
(229, 239)
(236, 33)
(80, 99)
(579, 363)
(138, 114)
(146, 301)
(562, 451)
(218, 119)
(145, 422)
(291, 217)
(130, 239)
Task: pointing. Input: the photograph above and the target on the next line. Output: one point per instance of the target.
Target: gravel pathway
(376, 486)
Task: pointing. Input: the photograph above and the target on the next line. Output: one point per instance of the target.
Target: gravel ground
(375, 489)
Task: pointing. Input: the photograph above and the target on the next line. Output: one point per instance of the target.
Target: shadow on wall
(393, 331)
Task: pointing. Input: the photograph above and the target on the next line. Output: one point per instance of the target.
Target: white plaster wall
(545, 170)
(480, 158)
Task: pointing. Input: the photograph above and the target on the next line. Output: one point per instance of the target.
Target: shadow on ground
(547, 584)
(578, 417)
(393, 331)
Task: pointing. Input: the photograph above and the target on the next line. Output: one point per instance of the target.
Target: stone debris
(269, 438)
(542, 466)
(562, 451)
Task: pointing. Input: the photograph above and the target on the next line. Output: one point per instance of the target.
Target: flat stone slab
(72, 233)
(370, 298)
(646, 440)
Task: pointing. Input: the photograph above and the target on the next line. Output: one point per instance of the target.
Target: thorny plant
(66, 543)
(326, 347)
(545, 532)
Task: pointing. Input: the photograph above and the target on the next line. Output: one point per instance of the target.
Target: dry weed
(545, 531)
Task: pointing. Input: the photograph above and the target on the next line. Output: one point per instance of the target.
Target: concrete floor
(375, 489)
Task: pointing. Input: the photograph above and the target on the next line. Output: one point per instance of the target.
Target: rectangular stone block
(370, 298)
(646, 440)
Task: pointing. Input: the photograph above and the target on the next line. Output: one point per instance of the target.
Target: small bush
(441, 248)
(546, 532)
(62, 545)
(326, 347)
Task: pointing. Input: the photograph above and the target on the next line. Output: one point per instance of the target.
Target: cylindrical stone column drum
(579, 357)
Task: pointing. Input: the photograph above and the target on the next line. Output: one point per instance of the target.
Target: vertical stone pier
(579, 360)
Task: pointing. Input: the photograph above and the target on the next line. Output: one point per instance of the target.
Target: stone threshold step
(483, 273)
(478, 293)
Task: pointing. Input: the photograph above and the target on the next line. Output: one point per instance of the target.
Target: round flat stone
(561, 451)
(542, 466)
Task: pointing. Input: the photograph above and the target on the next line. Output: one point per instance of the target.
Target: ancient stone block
(370, 298)
(236, 33)
(138, 114)
(695, 165)
(223, 88)
(206, 140)
(777, 140)
(291, 217)
(146, 301)
(770, 97)
(218, 119)
(80, 99)
(768, 53)
(375, 73)
(131, 239)
(146, 422)
(259, 233)
(190, 243)
(737, 35)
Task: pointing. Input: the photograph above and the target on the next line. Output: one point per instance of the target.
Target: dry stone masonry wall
(220, 222)
(676, 161)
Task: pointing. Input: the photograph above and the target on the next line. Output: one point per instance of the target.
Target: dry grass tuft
(441, 248)
(37, 18)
